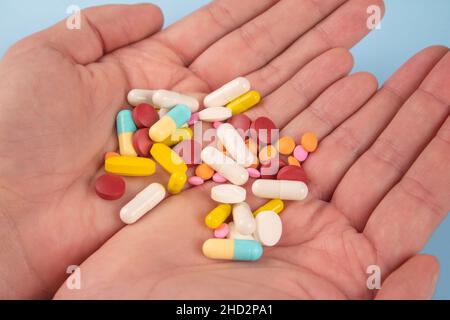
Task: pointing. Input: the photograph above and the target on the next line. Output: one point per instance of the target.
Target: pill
(292, 173)
(217, 124)
(176, 182)
(243, 218)
(142, 203)
(234, 234)
(167, 158)
(177, 136)
(204, 171)
(195, 181)
(174, 119)
(244, 102)
(235, 145)
(280, 189)
(130, 166)
(110, 187)
(268, 228)
(194, 118)
(222, 231)
(215, 114)
(224, 165)
(228, 249)
(253, 173)
(166, 99)
(144, 115)
(275, 205)
(300, 154)
(218, 215)
(227, 93)
(125, 130)
(218, 178)
(111, 154)
(270, 169)
(189, 151)
(264, 130)
(293, 162)
(267, 153)
(142, 143)
(162, 112)
(228, 193)
(138, 96)
(285, 145)
(252, 145)
(309, 141)
(241, 123)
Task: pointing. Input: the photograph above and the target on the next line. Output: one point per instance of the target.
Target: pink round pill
(222, 231)
(253, 173)
(218, 178)
(194, 118)
(195, 181)
(217, 124)
(300, 154)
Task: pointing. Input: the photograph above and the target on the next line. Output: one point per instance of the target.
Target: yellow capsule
(130, 166)
(218, 215)
(176, 182)
(167, 158)
(275, 205)
(232, 249)
(178, 136)
(244, 102)
(126, 144)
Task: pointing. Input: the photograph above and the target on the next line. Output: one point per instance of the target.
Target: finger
(260, 40)
(407, 216)
(415, 280)
(393, 152)
(102, 30)
(304, 87)
(208, 25)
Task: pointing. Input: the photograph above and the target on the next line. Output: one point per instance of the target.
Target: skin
(378, 182)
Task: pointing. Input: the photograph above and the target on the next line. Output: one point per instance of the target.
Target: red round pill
(142, 142)
(241, 123)
(110, 187)
(264, 130)
(292, 173)
(144, 115)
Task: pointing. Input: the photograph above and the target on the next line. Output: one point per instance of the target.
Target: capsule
(215, 114)
(228, 249)
(280, 189)
(176, 182)
(218, 215)
(178, 136)
(224, 165)
(227, 93)
(166, 99)
(244, 102)
(142, 203)
(130, 166)
(125, 130)
(168, 159)
(275, 205)
(235, 145)
(167, 125)
(138, 96)
(243, 219)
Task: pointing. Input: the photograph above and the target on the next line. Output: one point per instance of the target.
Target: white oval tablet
(228, 193)
(268, 228)
(243, 218)
(215, 114)
(234, 234)
(227, 93)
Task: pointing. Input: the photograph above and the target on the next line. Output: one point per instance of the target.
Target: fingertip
(369, 79)
(152, 10)
(344, 56)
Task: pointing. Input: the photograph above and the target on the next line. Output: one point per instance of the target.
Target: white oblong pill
(234, 234)
(162, 112)
(142, 203)
(268, 228)
(168, 99)
(227, 93)
(235, 145)
(280, 189)
(138, 96)
(243, 218)
(228, 193)
(215, 114)
(224, 165)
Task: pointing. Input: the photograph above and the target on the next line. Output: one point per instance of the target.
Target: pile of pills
(159, 129)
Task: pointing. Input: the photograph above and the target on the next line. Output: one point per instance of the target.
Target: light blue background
(409, 25)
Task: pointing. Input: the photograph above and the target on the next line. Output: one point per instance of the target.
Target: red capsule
(142, 142)
(144, 115)
(292, 173)
(110, 187)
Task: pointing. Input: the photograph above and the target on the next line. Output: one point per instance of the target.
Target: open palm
(74, 82)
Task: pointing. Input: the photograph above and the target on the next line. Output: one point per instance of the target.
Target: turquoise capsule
(124, 122)
(229, 249)
(174, 119)
(247, 250)
(180, 114)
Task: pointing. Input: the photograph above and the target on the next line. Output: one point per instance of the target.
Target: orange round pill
(111, 154)
(309, 141)
(252, 145)
(293, 162)
(204, 171)
(285, 145)
(267, 153)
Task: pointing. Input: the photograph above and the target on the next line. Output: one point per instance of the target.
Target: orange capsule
(309, 141)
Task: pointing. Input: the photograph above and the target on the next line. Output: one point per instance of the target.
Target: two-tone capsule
(229, 249)
(167, 125)
(125, 130)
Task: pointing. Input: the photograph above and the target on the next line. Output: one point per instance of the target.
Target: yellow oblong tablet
(178, 136)
(167, 158)
(244, 102)
(275, 205)
(218, 215)
(130, 166)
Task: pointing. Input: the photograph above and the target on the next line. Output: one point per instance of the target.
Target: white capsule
(268, 228)
(215, 114)
(162, 112)
(280, 189)
(243, 218)
(138, 96)
(224, 165)
(228, 193)
(235, 145)
(168, 99)
(227, 93)
(235, 235)
(142, 203)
